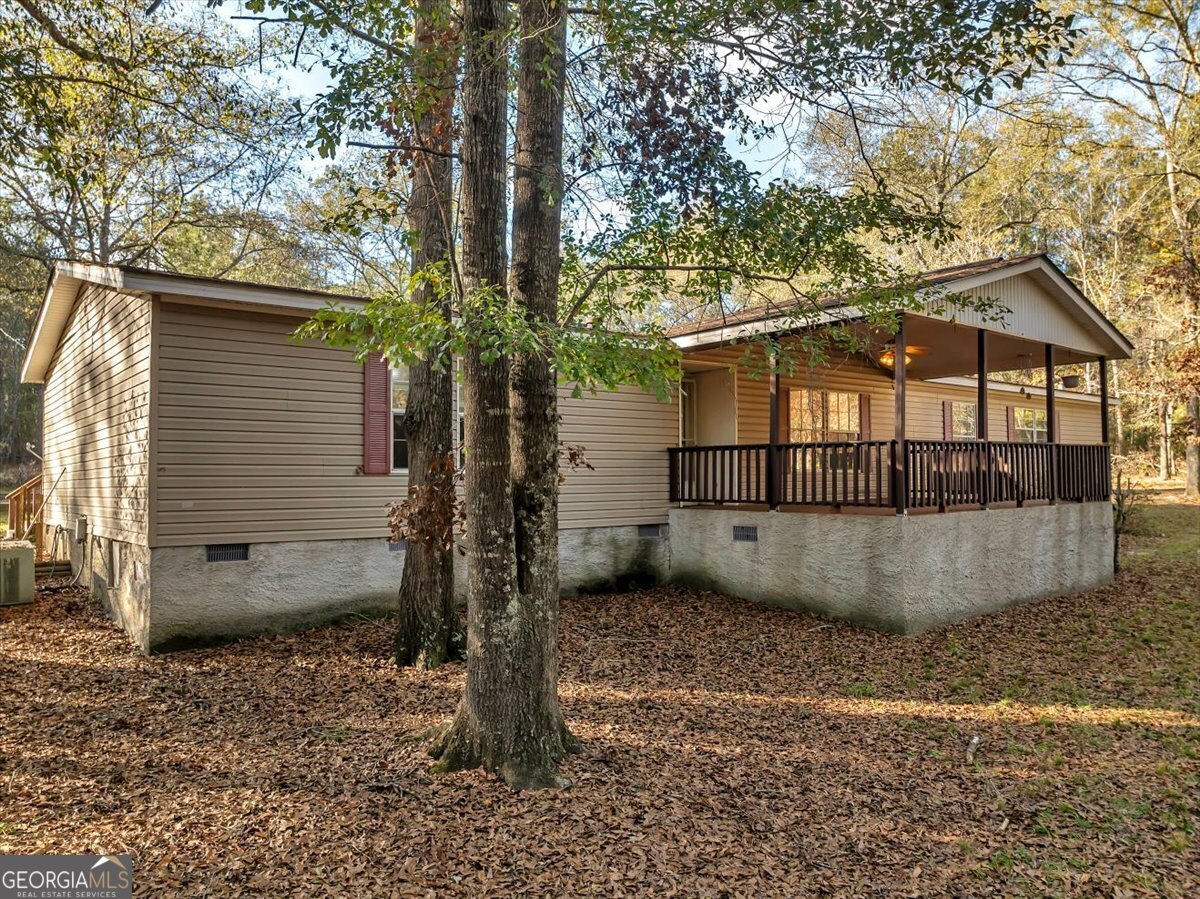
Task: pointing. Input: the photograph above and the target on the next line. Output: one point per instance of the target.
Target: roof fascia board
(36, 355)
(983, 278)
(730, 333)
(1095, 315)
(63, 286)
(272, 297)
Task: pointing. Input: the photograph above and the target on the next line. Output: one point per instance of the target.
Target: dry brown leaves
(729, 750)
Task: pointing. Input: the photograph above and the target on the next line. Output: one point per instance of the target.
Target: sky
(770, 156)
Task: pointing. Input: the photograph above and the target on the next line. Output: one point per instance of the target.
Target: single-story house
(215, 478)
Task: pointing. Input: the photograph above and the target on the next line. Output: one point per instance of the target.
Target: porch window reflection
(820, 416)
(962, 421)
(1030, 425)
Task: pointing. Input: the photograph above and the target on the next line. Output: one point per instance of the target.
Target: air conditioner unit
(16, 572)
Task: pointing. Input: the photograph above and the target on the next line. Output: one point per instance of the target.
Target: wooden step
(52, 569)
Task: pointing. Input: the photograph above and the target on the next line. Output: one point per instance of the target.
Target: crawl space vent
(745, 533)
(649, 530)
(227, 552)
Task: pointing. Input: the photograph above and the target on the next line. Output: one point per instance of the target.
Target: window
(400, 385)
(962, 421)
(399, 409)
(815, 416)
(687, 412)
(1029, 425)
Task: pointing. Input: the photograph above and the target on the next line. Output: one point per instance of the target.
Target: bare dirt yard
(729, 750)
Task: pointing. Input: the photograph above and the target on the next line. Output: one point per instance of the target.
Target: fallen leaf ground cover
(729, 749)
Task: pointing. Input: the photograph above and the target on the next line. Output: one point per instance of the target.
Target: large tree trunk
(537, 230)
(504, 722)
(1164, 441)
(1192, 488)
(428, 632)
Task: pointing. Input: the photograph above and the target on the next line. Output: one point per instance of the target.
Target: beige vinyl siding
(96, 417)
(1032, 312)
(753, 393)
(259, 439)
(625, 434)
(1079, 420)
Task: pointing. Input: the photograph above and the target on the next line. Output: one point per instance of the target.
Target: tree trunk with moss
(533, 282)
(428, 631)
(509, 720)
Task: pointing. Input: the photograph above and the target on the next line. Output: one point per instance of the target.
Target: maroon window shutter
(1012, 423)
(947, 420)
(864, 416)
(376, 412)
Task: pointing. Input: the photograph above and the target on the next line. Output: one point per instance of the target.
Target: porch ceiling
(940, 349)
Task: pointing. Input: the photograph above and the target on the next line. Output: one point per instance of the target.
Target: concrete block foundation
(904, 574)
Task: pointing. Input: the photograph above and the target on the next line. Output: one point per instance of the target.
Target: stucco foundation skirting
(282, 586)
(176, 599)
(904, 574)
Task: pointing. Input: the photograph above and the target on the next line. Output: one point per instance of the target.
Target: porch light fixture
(888, 358)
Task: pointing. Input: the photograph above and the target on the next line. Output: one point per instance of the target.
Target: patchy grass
(728, 749)
(1172, 526)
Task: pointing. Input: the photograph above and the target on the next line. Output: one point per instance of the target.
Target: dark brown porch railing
(1084, 472)
(938, 474)
(719, 474)
(858, 473)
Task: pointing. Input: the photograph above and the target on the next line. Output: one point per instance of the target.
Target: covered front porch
(910, 426)
(911, 422)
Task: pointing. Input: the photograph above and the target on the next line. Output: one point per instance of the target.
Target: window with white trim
(962, 421)
(400, 387)
(1029, 425)
(399, 410)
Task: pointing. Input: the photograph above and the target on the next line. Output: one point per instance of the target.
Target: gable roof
(957, 278)
(67, 278)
